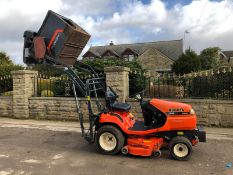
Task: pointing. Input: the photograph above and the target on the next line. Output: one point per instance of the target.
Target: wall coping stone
(190, 100)
(116, 69)
(6, 97)
(62, 98)
(21, 72)
(131, 99)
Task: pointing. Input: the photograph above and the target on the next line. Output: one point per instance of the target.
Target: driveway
(42, 147)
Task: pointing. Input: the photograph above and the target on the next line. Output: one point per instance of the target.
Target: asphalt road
(40, 151)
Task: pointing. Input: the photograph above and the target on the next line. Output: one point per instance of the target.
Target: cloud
(14, 49)
(128, 25)
(124, 21)
(91, 7)
(213, 28)
(28, 7)
(18, 16)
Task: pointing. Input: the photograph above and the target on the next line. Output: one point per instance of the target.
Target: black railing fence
(6, 86)
(209, 84)
(61, 86)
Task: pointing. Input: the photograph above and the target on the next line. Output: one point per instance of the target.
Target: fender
(121, 120)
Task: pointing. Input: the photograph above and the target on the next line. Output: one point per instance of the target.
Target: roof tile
(172, 49)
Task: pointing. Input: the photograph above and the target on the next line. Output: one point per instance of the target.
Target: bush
(187, 62)
(48, 70)
(6, 84)
(100, 64)
(209, 58)
(136, 83)
(135, 80)
(5, 69)
(47, 93)
(44, 84)
(7, 93)
(6, 65)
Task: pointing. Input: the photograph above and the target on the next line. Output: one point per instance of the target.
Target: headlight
(192, 112)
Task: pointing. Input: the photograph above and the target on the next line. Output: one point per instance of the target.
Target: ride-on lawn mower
(114, 129)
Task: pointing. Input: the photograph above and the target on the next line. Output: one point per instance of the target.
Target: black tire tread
(180, 139)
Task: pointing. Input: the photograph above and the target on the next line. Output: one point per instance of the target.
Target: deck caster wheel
(109, 140)
(157, 153)
(124, 150)
(180, 148)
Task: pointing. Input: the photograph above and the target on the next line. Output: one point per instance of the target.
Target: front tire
(109, 140)
(180, 148)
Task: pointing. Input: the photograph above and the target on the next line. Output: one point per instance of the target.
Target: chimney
(111, 43)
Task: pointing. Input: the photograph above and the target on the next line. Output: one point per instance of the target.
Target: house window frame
(129, 58)
(231, 59)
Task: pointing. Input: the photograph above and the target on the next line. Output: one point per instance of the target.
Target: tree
(6, 65)
(209, 58)
(5, 59)
(47, 70)
(100, 64)
(136, 80)
(187, 62)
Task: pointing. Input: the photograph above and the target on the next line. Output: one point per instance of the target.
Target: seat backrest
(110, 98)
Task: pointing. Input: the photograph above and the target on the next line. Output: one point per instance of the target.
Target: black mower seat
(120, 107)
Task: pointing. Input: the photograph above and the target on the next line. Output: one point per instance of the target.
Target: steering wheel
(138, 96)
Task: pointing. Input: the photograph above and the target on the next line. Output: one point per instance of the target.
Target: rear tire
(109, 140)
(180, 148)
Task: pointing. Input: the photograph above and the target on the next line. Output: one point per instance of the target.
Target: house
(226, 56)
(154, 56)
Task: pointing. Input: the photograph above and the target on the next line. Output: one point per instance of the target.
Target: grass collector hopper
(59, 37)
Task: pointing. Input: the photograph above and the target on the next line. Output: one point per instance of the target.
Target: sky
(201, 23)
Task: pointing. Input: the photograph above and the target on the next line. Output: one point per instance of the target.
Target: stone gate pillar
(23, 87)
(118, 78)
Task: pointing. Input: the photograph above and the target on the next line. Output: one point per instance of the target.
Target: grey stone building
(154, 56)
(226, 56)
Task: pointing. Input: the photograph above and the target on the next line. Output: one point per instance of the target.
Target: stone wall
(209, 112)
(22, 105)
(6, 104)
(56, 108)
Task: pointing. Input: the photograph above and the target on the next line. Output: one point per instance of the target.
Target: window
(128, 57)
(131, 57)
(231, 59)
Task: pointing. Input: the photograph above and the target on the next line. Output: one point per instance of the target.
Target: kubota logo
(176, 110)
(56, 39)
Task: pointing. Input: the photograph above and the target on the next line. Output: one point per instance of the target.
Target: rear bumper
(201, 134)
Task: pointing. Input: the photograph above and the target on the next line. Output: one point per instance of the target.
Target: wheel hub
(181, 150)
(107, 141)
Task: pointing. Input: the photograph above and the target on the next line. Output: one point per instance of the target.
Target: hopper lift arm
(58, 43)
(88, 88)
